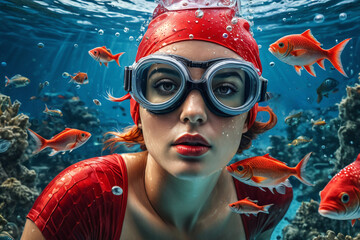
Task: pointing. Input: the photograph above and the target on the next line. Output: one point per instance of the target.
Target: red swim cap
(217, 25)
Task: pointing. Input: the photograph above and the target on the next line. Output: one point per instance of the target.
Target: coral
(349, 114)
(308, 224)
(330, 235)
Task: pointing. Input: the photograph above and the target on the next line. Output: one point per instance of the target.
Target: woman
(178, 187)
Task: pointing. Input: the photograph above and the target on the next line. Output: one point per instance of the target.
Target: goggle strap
(127, 79)
(264, 96)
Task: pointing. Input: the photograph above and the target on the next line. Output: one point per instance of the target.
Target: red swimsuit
(79, 203)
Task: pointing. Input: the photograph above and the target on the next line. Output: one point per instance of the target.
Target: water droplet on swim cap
(229, 28)
(191, 36)
(116, 190)
(225, 35)
(234, 20)
(199, 13)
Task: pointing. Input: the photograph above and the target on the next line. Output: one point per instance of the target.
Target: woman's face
(191, 141)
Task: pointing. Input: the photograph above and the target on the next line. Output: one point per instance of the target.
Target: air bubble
(272, 64)
(126, 30)
(351, 142)
(3, 64)
(199, 13)
(76, 46)
(342, 16)
(284, 19)
(259, 29)
(319, 18)
(117, 34)
(131, 38)
(40, 45)
(323, 147)
(101, 32)
(116, 190)
(260, 46)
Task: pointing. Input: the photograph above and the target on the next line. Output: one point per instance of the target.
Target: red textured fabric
(255, 225)
(79, 203)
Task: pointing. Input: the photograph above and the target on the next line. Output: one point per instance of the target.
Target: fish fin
(300, 170)
(258, 179)
(298, 69)
(7, 82)
(310, 69)
(274, 159)
(254, 201)
(41, 142)
(262, 189)
(311, 37)
(71, 146)
(266, 208)
(247, 214)
(320, 62)
(334, 56)
(298, 52)
(117, 56)
(46, 108)
(319, 98)
(106, 64)
(353, 222)
(53, 153)
(271, 189)
(55, 136)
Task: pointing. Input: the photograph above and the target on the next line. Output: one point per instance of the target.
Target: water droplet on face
(342, 16)
(225, 35)
(199, 13)
(116, 190)
(3, 64)
(40, 45)
(191, 36)
(117, 34)
(229, 28)
(126, 30)
(131, 38)
(234, 20)
(75, 45)
(272, 64)
(101, 32)
(319, 18)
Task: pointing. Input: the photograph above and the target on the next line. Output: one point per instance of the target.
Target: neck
(183, 202)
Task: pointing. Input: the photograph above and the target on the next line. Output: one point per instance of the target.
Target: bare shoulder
(31, 231)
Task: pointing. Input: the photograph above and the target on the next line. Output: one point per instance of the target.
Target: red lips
(191, 145)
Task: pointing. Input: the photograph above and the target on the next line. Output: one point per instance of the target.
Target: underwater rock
(330, 235)
(308, 224)
(349, 114)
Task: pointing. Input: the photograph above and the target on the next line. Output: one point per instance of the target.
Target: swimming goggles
(160, 83)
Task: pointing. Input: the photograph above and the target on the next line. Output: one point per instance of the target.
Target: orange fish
(103, 55)
(53, 112)
(303, 50)
(247, 206)
(80, 77)
(266, 171)
(69, 139)
(340, 199)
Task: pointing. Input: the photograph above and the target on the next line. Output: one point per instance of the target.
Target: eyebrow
(162, 70)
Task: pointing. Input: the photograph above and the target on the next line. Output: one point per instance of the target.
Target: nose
(194, 110)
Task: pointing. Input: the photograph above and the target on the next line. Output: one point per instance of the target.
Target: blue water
(68, 29)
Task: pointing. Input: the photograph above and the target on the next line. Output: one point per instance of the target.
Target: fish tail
(7, 81)
(300, 170)
(41, 142)
(334, 56)
(266, 208)
(117, 56)
(319, 98)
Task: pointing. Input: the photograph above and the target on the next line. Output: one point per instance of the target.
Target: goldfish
(327, 86)
(53, 112)
(266, 171)
(293, 119)
(103, 55)
(303, 50)
(299, 141)
(80, 77)
(340, 199)
(319, 122)
(67, 140)
(17, 81)
(247, 206)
